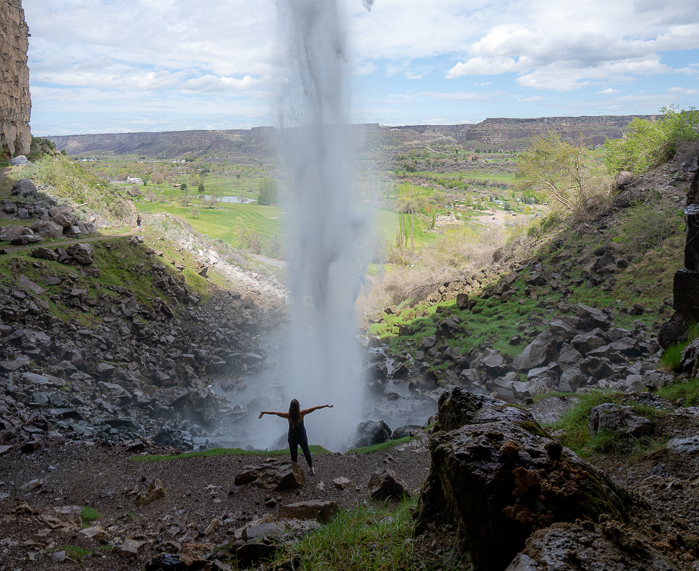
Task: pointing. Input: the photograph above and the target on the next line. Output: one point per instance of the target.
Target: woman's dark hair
(294, 412)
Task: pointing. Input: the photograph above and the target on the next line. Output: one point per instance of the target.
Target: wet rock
(385, 485)
(571, 380)
(597, 367)
(407, 430)
(320, 511)
(272, 474)
(155, 491)
(500, 479)
(370, 433)
(618, 419)
(589, 547)
(82, 253)
(376, 372)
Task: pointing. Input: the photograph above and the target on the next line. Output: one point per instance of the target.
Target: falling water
(327, 229)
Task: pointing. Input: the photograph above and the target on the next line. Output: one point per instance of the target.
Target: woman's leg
(306, 452)
(293, 449)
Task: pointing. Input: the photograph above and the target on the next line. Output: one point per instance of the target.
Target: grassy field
(226, 221)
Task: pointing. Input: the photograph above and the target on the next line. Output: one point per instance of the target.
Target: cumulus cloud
(608, 91)
(411, 76)
(682, 91)
(212, 83)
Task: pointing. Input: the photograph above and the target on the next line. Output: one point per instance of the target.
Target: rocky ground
(201, 504)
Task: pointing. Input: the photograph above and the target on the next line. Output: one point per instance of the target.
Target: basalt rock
(499, 479)
(585, 546)
(386, 485)
(371, 432)
(673, 331)
(272, 475)
(15, 100)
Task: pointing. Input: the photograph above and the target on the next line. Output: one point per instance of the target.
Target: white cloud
(212, 83)
(410, 76)
(608, 91)
(682, 91)
(534, 98)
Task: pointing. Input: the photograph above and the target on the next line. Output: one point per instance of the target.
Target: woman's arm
(281, 414)
(306, 411)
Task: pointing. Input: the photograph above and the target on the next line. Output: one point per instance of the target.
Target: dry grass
(414, 277)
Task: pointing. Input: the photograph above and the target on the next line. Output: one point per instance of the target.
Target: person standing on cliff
(297, 431)
(138, 221)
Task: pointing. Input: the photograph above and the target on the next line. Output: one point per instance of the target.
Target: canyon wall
(15, 101)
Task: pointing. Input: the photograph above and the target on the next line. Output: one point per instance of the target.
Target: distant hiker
(138, 221)
(297, 431)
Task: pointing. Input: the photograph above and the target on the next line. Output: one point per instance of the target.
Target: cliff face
(15, 102)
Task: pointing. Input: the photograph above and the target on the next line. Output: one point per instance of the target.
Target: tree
(568, 175)
(201, 188)
(145, 177)
(184, 187)
(194, 212)
(267, 192)
(648, 144)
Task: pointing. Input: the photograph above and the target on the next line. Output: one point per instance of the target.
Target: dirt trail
(12, 249)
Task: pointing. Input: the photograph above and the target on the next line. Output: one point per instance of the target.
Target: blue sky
(99, 66)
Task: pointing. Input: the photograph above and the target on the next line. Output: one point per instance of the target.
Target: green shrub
(89, 514)
(648, 144)
(647, 226)
(373, 537)
(672, 356)
(688, 391)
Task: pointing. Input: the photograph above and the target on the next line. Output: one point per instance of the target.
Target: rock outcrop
(15, 101)
(497, 476)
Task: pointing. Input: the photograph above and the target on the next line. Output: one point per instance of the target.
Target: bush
(568, 174)
(647, 226)
(648, 144)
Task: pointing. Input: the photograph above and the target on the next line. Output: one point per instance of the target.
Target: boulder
(597, 367)
(64, 219)
(565, 327)
(543, 379)
(129, 548)
(19, 161)
(26, 237)
(571, 380)
(26, 188)
(617, 419)
(385, 485)
(569, 357)
(376, 372)
(494, 363)
(586, 342)
(687, 445)
(321, 511)
(47, 229)
(654, 380)
(87, 228)
(497, 476)
(673, 331)
(407, 430)
(9, 233)
(82, 253)
(623, 179)
(592, 317)
(585, 546)
(690, 359)
(9, 207)
(371, 432)
(542, 350)
(685, 292)
(272, 474)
